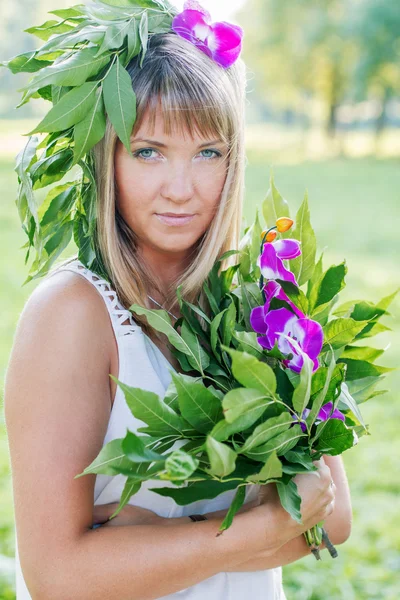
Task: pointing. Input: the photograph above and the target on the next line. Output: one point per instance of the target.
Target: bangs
(188, 90)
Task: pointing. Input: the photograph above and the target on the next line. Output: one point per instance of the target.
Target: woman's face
(169, 174)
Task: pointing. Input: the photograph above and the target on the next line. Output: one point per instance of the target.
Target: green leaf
(135, 449)
(303, 266)
(237, 503)
(362, 353)
(252, 373)
(274, 206)
(144, 35)
(340, 332)
(198, 357)
(267, 430)
(59, 240)
(71, 108)
(280, 444)
(325, 382)
(160, 320)
(73, 71)
(196, 491)
(358, 369)
(222, 458)
(150, 409)
(372, 329)
(363, 389)
(253, 240)
(296, 295)
(272, 469)
(120, 101)
(48, 29)
(387, 300)
(335, 437)
(197, 404)
(134, 43)
(111, 455)
(26, 197)
(131, 487)
(214, 336)
(302, 458)
(248, 343)
(322, 313)
(228, 323)
(302, 392)
(179, 466)
(25, 63)
(290, 499)
(51, 168)
(330, 284)
(115, 36)
(223, 430)
(59, 203)
(347, 399)
(136, 3)
(316, 276)
(245, 402)
(67, 13)
(91, 129)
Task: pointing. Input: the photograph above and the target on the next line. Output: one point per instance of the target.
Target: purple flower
(271, 259)
(282, 326)
(221, 41)
(323, 415)
(272, 290)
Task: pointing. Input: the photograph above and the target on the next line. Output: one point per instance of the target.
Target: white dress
(142, 364)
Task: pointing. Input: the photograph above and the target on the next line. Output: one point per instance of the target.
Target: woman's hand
(317, 492)
(129, 515)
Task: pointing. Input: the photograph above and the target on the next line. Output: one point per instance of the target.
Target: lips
(174, 220)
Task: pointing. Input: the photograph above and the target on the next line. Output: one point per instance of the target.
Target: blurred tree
(300, 49)
(332, 50)
(377, 70)
(17, 16)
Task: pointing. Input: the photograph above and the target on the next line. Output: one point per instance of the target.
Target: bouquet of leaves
(277, 375)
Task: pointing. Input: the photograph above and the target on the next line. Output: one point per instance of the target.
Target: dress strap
(121, 318)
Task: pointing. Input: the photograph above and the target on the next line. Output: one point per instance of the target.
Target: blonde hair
(196, 95)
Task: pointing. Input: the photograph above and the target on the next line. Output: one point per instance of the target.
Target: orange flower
(284, 224)
(270, 237)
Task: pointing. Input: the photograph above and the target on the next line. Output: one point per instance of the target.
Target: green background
(354, 206)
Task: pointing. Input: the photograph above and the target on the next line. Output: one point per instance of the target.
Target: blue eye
(139, 153)
(216, 153)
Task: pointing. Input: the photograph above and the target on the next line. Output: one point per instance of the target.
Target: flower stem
(314, 538)
(331, 548)
(261, 284)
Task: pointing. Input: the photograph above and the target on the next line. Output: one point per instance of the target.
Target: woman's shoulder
(65, 299)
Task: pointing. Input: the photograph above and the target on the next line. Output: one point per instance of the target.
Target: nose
(178, 184)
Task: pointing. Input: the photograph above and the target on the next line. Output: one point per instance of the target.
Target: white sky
(220, 10)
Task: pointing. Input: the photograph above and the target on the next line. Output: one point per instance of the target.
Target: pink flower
(221, 41)
(271, 259)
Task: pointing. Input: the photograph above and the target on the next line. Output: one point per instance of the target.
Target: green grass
(354, 205)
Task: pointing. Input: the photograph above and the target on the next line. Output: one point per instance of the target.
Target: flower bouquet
(277, 375)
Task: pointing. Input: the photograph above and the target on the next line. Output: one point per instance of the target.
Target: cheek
(134, 187)
(211, 189)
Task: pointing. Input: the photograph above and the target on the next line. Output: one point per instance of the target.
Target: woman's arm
(57, 407)
(337, 525)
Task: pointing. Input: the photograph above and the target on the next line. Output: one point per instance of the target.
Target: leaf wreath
(81, 70)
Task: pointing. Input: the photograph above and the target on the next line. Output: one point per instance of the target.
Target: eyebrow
(160, 145)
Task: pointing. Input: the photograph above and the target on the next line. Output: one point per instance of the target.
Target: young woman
(61, 405)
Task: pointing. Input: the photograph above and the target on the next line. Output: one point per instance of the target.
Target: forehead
(172, 123)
